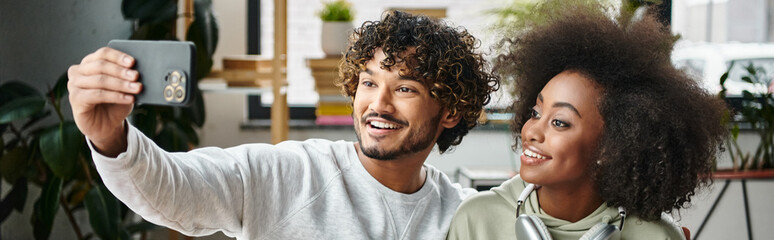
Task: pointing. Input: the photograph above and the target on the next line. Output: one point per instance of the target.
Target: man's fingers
(105, 67)
(100, 96)
(106, 82)
(108, 61)
(111, 55)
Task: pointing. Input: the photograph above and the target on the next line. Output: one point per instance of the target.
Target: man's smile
(380, 127)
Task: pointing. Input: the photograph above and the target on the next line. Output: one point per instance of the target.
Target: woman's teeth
(533, 154)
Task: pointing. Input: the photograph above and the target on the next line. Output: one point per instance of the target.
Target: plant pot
(335, 37)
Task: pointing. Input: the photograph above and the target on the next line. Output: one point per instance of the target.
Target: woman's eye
(367, 84)
(559, 123)
(534, 114)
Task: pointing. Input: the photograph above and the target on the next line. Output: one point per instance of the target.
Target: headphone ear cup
(541, 228)
(531, 227)
(602, 231)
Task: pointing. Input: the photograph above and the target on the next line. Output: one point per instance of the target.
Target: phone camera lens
(169, 92)
(179, 94)
(174, 78)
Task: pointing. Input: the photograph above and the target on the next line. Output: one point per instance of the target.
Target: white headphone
(531, 227)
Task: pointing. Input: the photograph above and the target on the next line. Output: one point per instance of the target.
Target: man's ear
(450, 121)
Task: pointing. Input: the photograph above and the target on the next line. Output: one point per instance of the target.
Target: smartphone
(166, 70)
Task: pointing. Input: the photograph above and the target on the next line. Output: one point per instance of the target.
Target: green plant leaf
(15, 89)
(46, 208)
(144, 118)
(748, 95)
(172, 138)
(190, 134)
(149, 11)
(196, 112)
(103, 210)
(82, 175)
(60, 89)
(14, 163)
(60, 147)
(336, 11)
(154, 31)
(15, 199)
(747, 79)
(35, 118)
(735, 131)
(77, 193)
(203, 32)
(723, 78)
(750, 69)
(21, 108)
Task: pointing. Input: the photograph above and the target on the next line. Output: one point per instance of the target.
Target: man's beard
(423, 138)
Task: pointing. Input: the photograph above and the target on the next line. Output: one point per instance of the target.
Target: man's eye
(368, 84)
(534, 114)
(405, 89)
(559, 123)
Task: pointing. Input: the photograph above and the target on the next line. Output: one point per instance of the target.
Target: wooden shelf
(749, 174)
(246, 78)
(325, 72)
(219, 85)
(260, 74)
(430, 12)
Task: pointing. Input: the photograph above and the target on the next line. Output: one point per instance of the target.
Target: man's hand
(101, 95)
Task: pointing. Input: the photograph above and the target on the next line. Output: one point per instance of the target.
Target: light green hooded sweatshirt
(492, 215)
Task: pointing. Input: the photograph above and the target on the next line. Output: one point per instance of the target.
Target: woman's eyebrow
(567, 105)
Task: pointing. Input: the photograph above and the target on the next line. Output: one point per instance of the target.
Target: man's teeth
(533, 154)
(383, 125)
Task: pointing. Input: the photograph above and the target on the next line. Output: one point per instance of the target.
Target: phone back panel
(166, 70)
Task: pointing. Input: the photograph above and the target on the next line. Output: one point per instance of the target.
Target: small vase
(335, 37)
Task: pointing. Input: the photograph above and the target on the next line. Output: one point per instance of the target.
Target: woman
(612, 135)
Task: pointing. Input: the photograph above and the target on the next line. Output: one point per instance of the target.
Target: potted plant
(755, 110)
(54, 156)
(337, 23)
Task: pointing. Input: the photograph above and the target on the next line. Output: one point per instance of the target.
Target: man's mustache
(387, 117)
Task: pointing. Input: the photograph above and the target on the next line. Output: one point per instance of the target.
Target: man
(414, 82)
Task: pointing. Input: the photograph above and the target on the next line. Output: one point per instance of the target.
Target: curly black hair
(444, 60)
(661, 132)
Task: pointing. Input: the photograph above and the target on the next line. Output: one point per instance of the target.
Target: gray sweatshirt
(315, 189)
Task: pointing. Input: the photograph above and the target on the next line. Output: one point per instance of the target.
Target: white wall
(232, 22)
(730, 20)
(689, 18)
(747, 20)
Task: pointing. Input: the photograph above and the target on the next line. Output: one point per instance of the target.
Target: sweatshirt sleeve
(198, 192)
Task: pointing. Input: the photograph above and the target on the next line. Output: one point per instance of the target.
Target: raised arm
(195, 195)
(101, 95)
